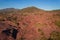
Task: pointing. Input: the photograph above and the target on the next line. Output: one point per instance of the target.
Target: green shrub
(54, 36)
(39, 30)
(57, 23)
(43, 38)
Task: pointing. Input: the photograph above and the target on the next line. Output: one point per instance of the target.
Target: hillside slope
(32, 24)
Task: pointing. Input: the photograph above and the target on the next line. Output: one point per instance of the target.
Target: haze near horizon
(41, 4)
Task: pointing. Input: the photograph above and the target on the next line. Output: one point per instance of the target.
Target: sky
(19, 4)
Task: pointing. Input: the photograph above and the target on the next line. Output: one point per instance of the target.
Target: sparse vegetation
(39, 30)
(58, 15)
(32, 23)
(39, 24)
(43, 38)
(57, 23)
(54, 36)
(25, 24)
(2, 19)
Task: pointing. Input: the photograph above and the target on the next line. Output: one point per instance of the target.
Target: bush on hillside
(57, 23)
(54, 36)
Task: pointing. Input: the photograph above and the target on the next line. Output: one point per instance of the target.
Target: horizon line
(28, 7)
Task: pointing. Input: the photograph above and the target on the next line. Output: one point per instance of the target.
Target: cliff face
(30, 24)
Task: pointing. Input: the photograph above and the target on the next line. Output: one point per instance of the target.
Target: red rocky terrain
(30, 24)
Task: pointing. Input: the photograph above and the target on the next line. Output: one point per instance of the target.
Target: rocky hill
(30, 23)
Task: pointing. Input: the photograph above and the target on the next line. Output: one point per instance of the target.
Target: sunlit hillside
(32, 23)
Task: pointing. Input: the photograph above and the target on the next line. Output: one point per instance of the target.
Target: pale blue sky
(43, 4)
